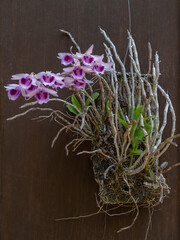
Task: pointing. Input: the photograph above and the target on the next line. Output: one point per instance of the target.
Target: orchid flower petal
(59, 78)
(61, 55)
(67, 70)
(32, 88)
(90, 49)
(88, 81)
(11, 86)
(77, 62)
(19, 76)
(50, 91)
(108, 66)
(39, 75)
(79, 55)
(30, 94)
(99, 59)
(87, 69)
(68, 81)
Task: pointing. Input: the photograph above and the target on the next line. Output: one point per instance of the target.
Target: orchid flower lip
(42, 97)
(98, 68)
(59, 84)
(88, 60)
(32, 88)
(79, 83)
(78, 72)
(13, 93)
(25, 82)
(67, 59)
(48, 80)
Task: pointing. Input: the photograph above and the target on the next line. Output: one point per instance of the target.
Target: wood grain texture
(39, 184)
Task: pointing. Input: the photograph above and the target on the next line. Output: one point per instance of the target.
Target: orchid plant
(120, 119)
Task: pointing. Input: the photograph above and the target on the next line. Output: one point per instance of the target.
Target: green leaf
(132, 128)
(95, 96)
(137, 152)
(76, 103)
(71, 109)
(124, 123)
(146, 118)
(147, 127)
(135, 144)
(151, 173)
(138, 134)
(107, 106)
(137, 112)
(87, 102)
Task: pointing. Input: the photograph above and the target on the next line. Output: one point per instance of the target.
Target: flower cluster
(43, 84)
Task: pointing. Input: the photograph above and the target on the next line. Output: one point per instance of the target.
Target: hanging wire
(129, 13)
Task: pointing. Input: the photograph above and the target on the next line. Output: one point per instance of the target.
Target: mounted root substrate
(119, 117)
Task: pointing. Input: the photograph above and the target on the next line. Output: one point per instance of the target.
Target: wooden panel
(40, 184)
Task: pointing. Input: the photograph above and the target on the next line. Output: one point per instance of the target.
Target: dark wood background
(39, 184)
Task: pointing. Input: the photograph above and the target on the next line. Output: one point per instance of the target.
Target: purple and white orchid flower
(100, 67)
(25, 79)
(13, 94)
(60, 84)
(25, 82)
(40, 89)
(81, 83)
(77, 71)
(47, 78)
(87, 58)
(66, 58)
(59, 81)
(13, 91)
(42, 97)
